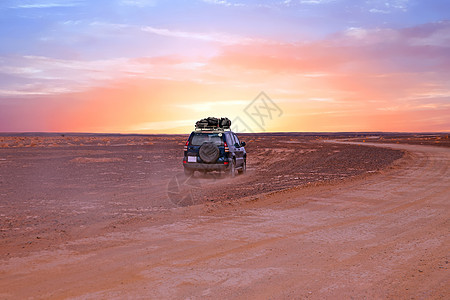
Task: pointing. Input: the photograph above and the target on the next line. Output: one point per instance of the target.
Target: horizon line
(11, 133)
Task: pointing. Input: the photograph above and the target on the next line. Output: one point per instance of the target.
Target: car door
(231, 142)
(239, 151)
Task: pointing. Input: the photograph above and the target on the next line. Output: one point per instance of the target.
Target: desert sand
(318, 220)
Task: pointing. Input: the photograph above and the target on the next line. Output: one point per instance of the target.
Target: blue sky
(99, 29)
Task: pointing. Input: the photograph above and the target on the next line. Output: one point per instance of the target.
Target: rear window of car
(199, 138)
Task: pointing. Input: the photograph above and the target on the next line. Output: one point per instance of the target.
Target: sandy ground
(383, 235)
(436, 139)
(56, 188)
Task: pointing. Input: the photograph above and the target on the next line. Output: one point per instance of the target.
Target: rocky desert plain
(316, 216)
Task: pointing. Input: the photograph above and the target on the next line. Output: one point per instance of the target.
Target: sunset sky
(150, 66)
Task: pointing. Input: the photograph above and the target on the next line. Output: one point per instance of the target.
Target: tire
(244, 167)
(188, 172)
(232, 169)
(209, 152)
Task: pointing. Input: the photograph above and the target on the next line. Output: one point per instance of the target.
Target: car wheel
(232, 168)
(209, 152)
(243, 169)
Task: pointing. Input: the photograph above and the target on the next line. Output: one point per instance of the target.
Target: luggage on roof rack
(213, 123)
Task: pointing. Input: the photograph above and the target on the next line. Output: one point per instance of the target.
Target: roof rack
(213, 124)
(212, 128)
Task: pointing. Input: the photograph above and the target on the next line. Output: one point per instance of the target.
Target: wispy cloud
(139, 3)
(316, 1)
(52, 4)
(44, 75)
(215, 37)
(212, 37)
(439, 36)
(388, 6)
(224, 3)
(268, 4)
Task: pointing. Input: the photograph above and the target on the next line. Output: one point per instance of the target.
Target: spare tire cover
(209, 152)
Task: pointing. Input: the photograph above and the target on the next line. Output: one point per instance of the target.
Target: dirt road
(383, 236)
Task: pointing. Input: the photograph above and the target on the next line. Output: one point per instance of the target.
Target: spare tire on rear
(209, 152)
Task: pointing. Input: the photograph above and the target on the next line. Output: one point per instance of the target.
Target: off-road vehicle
(212, 146)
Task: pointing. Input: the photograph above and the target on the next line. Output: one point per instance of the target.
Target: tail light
(185, 145)
(226, 147)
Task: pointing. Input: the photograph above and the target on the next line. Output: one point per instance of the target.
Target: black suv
(214, 147)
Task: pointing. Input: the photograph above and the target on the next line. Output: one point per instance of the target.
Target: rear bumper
(205, 167)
